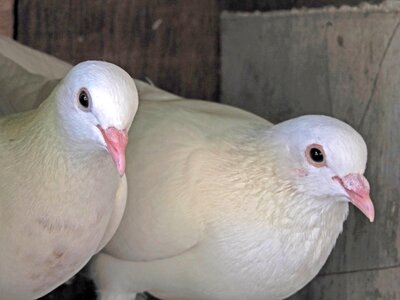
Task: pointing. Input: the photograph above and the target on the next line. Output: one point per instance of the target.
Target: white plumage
(61, 197)
(223, 205)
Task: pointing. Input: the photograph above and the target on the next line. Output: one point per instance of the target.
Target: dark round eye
(84, 99)
(316, 155)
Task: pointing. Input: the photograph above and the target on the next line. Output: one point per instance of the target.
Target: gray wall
(343, 63)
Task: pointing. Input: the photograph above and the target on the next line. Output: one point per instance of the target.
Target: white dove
(61, 194)
(223, 205)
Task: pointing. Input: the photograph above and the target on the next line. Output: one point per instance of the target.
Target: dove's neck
(288, 232)
(269, 167)
(249, 168)
(51, 135)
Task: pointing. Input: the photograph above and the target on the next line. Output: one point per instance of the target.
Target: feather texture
(58, 184)
(219, 209)
(221, 204)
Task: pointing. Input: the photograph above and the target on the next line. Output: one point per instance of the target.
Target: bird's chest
(57, 250)
(65, 223)
(270, 263)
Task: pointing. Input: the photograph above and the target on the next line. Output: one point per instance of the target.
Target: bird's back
(202, 194)
(170, 146)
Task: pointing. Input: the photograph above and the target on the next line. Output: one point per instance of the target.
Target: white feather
(214, 208)
(219, 209)
(58, 185)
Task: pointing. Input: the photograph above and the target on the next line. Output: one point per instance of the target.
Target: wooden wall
(6, 17)
(150, 39)
(296, 63)
(268, 5)
(174, 43)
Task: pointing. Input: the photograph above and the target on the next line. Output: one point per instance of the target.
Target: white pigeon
(223, 205)
(62, 188)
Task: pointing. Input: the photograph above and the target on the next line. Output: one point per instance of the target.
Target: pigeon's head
(97, 102)
(326, 159)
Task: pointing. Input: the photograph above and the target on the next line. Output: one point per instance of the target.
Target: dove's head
(326, 159)
(97, 102)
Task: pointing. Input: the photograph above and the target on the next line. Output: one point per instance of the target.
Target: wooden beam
(6, 17)
(262, 5)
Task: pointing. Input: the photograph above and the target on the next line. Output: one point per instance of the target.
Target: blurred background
(276, 58)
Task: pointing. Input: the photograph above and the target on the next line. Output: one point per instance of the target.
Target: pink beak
(357, 188)
(116, 141)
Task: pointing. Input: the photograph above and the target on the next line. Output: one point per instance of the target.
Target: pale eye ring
(84, 100)
(315, 155)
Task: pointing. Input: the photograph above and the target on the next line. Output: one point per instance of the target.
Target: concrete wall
(344, 63)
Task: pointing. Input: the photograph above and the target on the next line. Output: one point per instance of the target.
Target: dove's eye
(315, 155)
(84, 100)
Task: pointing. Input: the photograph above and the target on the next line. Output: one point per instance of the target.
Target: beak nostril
(357, 189)
(116, 141)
